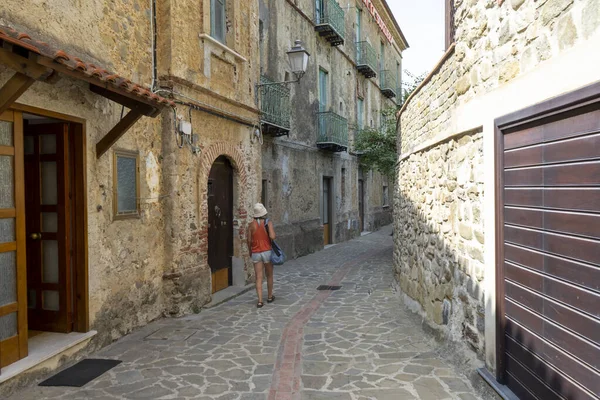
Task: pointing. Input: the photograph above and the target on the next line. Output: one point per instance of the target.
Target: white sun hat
(259, 210)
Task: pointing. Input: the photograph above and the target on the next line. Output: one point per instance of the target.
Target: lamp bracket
(298, 76)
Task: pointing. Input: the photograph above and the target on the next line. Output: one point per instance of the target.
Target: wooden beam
(25, 66)
(125, 101)
(13, 89)
(94, 81)
(115, 133)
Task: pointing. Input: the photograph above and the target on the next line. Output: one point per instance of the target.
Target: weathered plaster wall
(293, 167)
(140, 269)
(125, 257)
(204, 74)
(445, 130)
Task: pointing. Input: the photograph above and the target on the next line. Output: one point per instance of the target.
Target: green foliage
(377, 146)
(411, 84)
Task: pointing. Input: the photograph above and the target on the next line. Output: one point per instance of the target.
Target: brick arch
(240, 169)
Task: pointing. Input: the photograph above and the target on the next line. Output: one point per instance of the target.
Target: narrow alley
(358, 342)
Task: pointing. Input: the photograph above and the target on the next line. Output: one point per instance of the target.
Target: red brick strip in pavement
(285, 383)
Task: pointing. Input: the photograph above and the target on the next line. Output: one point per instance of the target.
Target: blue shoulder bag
(277, 255)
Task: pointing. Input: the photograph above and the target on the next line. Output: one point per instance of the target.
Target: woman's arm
(271, 230)
(249, 239)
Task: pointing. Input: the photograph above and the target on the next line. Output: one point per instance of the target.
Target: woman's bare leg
(258, 270)
(269, 271)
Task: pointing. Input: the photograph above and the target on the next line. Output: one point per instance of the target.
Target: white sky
(422, 22)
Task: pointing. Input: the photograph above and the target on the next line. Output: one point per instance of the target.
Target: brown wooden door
(361, 204)
(549, 253)
(13, 290)
(220, 223)
(49, 264)
(326, 201)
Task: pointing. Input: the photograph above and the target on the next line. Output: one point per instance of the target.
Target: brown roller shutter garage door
(548, 248)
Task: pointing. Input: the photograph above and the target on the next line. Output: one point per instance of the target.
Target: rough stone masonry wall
(494, 45)
(439, 248)
(439, 235)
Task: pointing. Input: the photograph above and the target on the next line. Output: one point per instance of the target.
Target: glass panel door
(358, 24)
(322, 90)
(47, 194)
(13, 304)
(319, 11)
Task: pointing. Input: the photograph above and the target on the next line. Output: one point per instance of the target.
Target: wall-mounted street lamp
(298, 59)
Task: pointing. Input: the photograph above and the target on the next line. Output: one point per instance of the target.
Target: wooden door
(220, 223)
(361, 204)
(326, 201)
(47, 190)
(549, 250)
(13, 290)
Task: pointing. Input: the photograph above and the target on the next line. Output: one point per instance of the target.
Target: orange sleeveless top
(260, 238)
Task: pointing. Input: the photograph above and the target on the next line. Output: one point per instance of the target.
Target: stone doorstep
(44, 347)
(365, 233)
(227, 294)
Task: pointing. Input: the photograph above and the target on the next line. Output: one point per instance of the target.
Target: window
(360, 110)
(263, 195)
(126, 185)
(382, 58)
(386, 197)
(323, 76)
(218, 25)
(343, 184)
(319, 10)
(399, 80)
(358, 24)
(450, 28)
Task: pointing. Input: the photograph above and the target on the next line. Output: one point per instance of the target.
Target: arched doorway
(220, 223)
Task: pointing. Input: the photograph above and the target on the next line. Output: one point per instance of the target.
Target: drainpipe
(154, 35)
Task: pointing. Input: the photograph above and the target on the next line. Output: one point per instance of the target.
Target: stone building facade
(134, 270)
(313, 188)
(504, 56)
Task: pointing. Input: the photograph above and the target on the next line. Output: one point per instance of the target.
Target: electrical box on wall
(185, 127)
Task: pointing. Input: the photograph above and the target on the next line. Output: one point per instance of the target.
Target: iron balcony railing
(388, 83)
(275, 105)
(366, 59)
(330, 21)
(333, 131)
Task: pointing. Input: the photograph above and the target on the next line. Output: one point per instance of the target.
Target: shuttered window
(126, 185)
(218, 25)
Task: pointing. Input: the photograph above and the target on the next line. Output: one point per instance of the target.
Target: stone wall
(141, 269)
(439, 200)
(125, 257)
(494, 45)
(439, 235)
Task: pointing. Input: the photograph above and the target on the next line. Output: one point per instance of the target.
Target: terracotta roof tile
(73, 63)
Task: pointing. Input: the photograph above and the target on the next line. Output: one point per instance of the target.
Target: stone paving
(357, 343)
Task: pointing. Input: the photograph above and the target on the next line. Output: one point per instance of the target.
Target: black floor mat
(81, 373)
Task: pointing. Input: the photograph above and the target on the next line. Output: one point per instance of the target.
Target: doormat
(325, 287)
(81, 373)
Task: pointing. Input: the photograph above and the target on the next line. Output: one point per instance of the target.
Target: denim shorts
(264, 257)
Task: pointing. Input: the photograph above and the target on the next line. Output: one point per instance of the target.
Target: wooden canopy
(35, 60)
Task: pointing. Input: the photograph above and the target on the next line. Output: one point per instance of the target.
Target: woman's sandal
(271, 299)
(259, 305)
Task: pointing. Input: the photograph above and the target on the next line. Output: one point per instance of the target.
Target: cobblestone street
(356, 343)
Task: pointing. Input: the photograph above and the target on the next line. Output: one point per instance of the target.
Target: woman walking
(260, 235)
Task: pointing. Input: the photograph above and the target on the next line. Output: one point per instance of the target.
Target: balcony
(388, 84)
(366, 59)
(330, 21)
(332, 132)
(275, 108)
